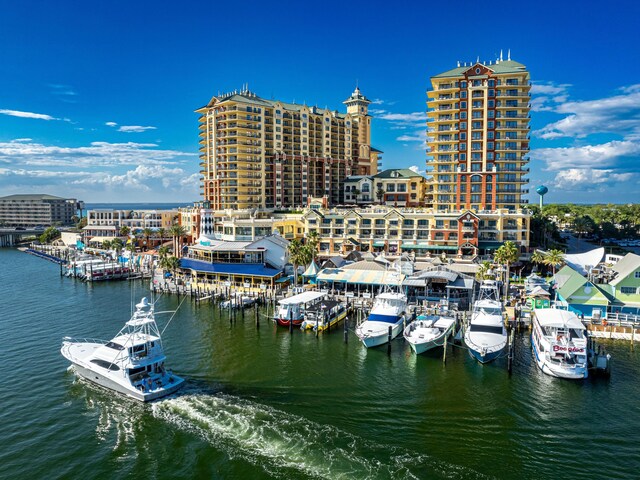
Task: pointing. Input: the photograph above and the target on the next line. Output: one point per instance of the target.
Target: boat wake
(285, 445)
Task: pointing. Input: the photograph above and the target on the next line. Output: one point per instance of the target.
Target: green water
(261, 403)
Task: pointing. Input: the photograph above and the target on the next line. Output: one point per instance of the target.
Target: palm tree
(177, 232)
(483, 271)
(313, 240)
(147, 232)
(162, 232)
(296, 257)
(380, 194)
(124, 231)
(554, 258)
(117, 244)
(163, 252)
(538, 257)
(506, 255)
(106, 244)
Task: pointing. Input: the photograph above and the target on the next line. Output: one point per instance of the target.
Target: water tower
(542, 191)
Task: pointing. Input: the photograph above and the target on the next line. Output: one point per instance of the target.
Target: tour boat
(132, 363)
(323, 315)
(292, 309)
(428, 331)
(389, 310)
(559, 343)
(486, 335)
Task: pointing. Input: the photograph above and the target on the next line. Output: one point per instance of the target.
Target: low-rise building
(626, 284)
(242, 265)
(400, 187)
(30, 210)
(358, 190)
(105, 223)
(424, 232)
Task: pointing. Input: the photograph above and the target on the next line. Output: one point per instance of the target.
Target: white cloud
(416, 169)
(590, 156)
(404, 117)
(377, 101)
(134, 128)
(111, 124)
(548, 88)
(18, 113)
(546, 95)
(419, 136)
(97, 154)
(589, 179)
(619, 114)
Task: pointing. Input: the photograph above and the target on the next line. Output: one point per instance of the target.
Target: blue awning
(248, 269)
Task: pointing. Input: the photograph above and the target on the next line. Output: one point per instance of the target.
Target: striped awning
(360, 277)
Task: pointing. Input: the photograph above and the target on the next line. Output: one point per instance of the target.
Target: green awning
(378, 244)
(442, 247)
(489, 245)
(410, 246)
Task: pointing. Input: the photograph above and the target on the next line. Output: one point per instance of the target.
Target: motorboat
(132, 363)
(486, 335)
(293, 309)
(559, 343)
(323, 315)
(389, 310)
(238, 302)
(428, 332)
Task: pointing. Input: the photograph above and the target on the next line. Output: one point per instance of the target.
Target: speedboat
(486, 335)
(131, 363)
(323, 315)
(428, 332)
(292, 309)
(389, 310)
(559, 343)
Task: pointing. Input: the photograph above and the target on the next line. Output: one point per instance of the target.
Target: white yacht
(486, 335)
(559, 343)
(132, 363)
(428, 332)
(389, 310)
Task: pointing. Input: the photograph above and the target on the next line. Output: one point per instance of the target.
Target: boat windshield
(104, 364)
(485, 329)
(115, 346)
(491, 311)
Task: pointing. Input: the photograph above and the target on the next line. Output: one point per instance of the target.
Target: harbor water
(261, 403)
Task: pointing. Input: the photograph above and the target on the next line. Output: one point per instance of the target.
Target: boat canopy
(557, 318)
(302, 298)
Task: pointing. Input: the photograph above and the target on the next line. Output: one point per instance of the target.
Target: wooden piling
(346, 330)
(444, 350)
(257, 316)
(389, 335)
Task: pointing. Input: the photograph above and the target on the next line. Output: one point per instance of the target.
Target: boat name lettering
(560, 348)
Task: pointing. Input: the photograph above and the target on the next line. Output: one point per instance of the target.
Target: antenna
(458, 62)
(500, 54)
(509, 55)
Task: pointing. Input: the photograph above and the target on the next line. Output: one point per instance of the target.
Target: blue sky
(97, 98)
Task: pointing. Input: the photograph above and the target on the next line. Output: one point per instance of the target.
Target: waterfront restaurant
(240, 265)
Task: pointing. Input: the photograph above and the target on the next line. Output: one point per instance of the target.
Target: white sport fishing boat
(389, 310)
(486, 335)
(428, 331)
(559, 343)
(132, 363)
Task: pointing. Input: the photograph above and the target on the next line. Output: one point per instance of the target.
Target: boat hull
(311, 325)
(557, 371)
(486, 357)
(375, 340)
(285, 322)
(106, 382)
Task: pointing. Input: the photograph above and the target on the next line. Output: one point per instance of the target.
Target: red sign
(560, 348)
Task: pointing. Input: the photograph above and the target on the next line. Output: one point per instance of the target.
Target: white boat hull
(420, 337)
(577, 372)
(374, 334)
(106, 382)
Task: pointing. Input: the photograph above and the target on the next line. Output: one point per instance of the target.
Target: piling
(389, 335)
(257, 316)
(512, 347)
(444, 350)
(291, 322)
(346, 330)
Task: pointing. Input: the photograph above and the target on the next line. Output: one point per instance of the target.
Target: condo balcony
(505, 105)
(520, 116)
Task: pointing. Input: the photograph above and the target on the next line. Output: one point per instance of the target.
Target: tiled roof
(505, 66)
(402, 172)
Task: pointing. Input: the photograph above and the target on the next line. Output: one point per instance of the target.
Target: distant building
(399, 187)
(259, 153)
(478, 140)
(30, 210)
(105, 223)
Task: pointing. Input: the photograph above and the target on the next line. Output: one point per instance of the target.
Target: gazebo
(311, 273)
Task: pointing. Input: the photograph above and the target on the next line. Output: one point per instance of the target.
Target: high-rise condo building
(478, 141)
(258, 153)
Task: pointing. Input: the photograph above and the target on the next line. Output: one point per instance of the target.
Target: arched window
(476, 178)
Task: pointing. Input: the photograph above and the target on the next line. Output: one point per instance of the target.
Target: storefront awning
(489, 245)
(419, 246)
(378, 244)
